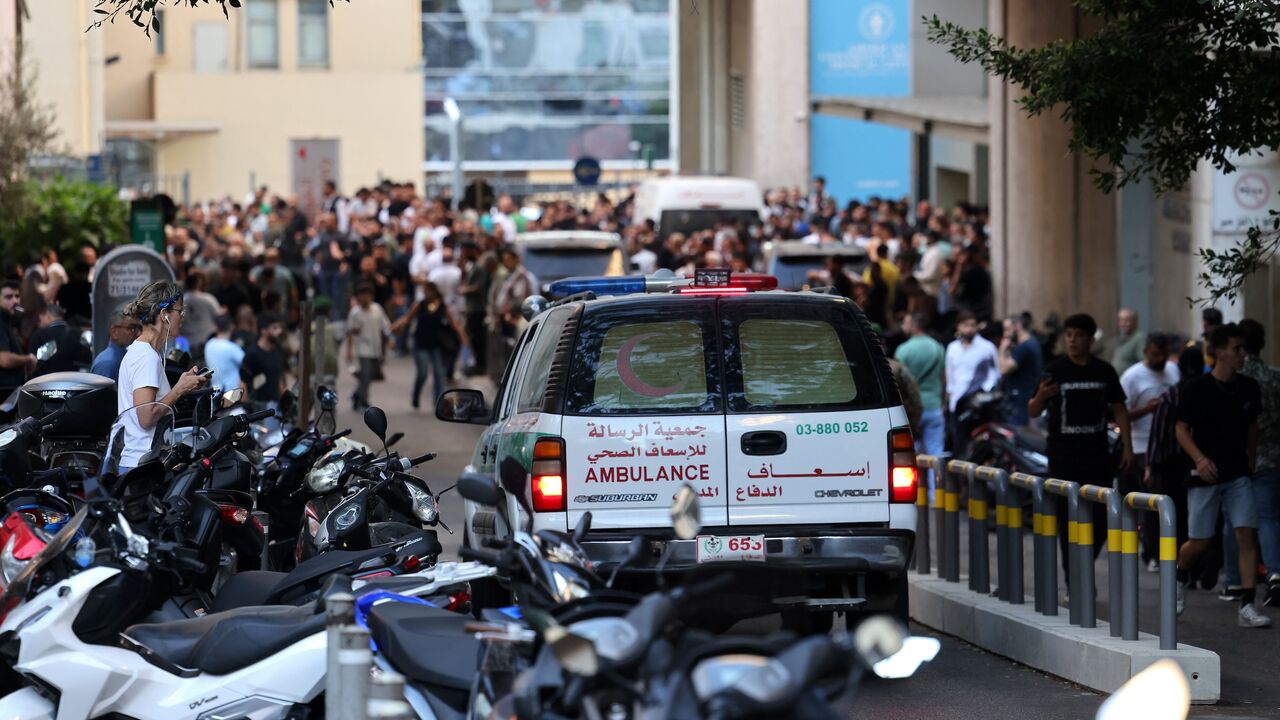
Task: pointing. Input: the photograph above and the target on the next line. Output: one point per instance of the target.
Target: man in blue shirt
(1021, 363)
(123, 332)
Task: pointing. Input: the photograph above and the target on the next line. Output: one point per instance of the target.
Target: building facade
(230, 103)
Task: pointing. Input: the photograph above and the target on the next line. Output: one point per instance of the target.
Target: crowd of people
(389, 270)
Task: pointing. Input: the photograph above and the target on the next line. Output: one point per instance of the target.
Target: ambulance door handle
(764, 442)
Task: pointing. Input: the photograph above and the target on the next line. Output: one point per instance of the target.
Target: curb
(1086, 656)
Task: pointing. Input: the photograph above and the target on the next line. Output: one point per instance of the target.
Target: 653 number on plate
(738, 548)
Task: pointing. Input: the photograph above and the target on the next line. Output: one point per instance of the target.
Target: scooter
(259, 662)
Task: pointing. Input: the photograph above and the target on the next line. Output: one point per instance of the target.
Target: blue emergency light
(707, 281)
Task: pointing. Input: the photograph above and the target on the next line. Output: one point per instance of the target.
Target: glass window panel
(313, 33)
(790, 362)
(262, 38)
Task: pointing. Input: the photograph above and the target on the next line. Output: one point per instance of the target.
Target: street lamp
(455, 147)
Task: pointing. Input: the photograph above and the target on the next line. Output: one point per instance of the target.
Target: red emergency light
(721, 282)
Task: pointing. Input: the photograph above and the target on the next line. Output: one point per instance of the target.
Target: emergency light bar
(704, 282)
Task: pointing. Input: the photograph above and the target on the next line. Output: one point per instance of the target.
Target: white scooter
(255, 662)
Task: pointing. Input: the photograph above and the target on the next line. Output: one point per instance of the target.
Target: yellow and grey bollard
(979, 547)
(1129, 573)
(1071, 491)
(1004, 540)
(951, 514)
(1110, 498)
(1162, 504)
(940, 517)
(1044, 524)
(923, 561)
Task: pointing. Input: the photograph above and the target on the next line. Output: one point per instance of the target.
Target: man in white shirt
(972, 361)
(1143, 385)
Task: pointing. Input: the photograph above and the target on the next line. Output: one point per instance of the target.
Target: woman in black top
(437, 336)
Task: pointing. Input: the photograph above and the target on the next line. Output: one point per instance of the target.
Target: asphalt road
(964, 681)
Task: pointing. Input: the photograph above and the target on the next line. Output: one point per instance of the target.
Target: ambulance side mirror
(462, 405)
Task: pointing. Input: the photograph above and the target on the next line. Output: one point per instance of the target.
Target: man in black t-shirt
(1218, 429)
(1079, 390)
(263, 366)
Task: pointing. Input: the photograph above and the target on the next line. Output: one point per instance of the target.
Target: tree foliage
(1161, 86)
(26, 129)
(143, 12)
(63, 214)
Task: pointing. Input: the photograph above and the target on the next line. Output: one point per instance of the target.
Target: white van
(685, 204)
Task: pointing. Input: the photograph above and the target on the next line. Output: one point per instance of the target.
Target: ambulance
(778, 408)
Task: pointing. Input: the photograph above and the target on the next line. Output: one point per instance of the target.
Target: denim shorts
(1234, 498)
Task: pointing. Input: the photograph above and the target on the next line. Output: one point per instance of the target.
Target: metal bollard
(386, 698)
(264, 520)
(1129, 573)
(1013, 519)
(923, 561)
(951, 515)
(1162, 504)
(940, 519)
(1004, 542)
(979, 547)
(1044, 523)
(349, 688)
(1111, 498)
(339, 611)
(1075, 563)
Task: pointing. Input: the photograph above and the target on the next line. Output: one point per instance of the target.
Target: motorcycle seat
(426, 644)
(222, 643)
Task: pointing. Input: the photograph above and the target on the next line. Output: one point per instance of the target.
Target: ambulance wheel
(805, 622)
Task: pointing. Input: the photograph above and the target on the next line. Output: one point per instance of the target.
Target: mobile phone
(204, 372)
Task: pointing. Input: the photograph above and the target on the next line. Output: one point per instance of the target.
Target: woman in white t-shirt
(142, 381)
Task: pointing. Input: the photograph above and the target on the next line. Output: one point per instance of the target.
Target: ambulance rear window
(645, 361)
(796, 357)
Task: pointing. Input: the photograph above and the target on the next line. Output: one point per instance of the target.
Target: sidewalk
(1250, 657)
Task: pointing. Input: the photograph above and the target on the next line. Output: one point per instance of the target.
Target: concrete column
(1053, 235)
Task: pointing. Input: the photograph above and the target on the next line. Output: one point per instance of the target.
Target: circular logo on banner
(876, 22)
(1251, 191)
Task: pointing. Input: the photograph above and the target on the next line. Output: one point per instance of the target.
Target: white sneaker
(1182, 597)
(1249, 617)
(1153, 566)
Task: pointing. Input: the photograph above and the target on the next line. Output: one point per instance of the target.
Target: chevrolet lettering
(776, 408)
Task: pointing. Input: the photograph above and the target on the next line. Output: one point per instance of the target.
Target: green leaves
(63, 214)
(143, 13)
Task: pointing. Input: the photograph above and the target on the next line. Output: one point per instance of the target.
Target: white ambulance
(777, 407)
(687, 203)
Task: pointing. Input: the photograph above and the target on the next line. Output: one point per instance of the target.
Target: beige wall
(68, 63)
(370, 98)
(267, 112)
(769, 142)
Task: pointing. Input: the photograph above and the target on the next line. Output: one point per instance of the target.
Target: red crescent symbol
(631, 380)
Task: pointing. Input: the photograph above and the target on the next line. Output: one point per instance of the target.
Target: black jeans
(478, 334)
(1148, 523)
(368, 369)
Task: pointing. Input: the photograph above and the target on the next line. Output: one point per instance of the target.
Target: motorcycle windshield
(21, 584)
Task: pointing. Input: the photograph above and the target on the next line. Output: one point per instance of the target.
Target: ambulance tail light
(548, 475)
(903, 473)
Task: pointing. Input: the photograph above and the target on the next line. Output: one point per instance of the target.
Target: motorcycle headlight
(10, 565)
(7, 436)
(425, 507)
(325, 477)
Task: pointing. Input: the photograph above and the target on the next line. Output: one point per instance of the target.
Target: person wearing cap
(122, 332)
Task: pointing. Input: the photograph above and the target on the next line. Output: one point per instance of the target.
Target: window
(210, 47)
(157, 37)
(626, 362)
(313, 33)
(538, 369)
(261, 36)
(797, 356)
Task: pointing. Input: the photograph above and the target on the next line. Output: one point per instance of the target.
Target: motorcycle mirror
(479, 489)
(533, 306)
(376, 420)
(395, 438)
(877, 638)
(916, 651)
(515, 479)
(686, 515)
(231, 397)
(582, 528)
(86, 338)
(1160, 691)
(575, 653)
(46, 351)
(634, 551)
(327, 397)
(287, 401)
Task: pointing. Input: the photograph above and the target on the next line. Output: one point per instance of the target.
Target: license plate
(721, 548)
